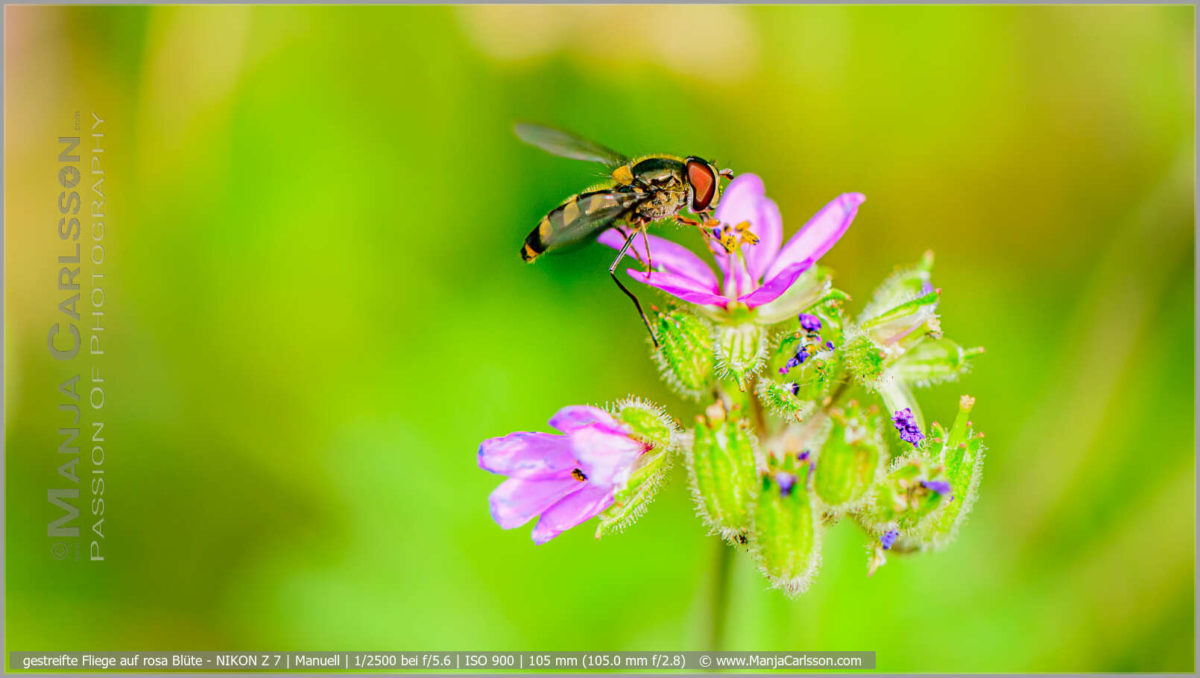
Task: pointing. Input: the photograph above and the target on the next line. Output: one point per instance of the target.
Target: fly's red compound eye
(704, 183)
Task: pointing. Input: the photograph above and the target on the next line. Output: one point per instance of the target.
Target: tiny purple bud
(801, 356)
(795, 389)
(829, 345)
(939, 486)
(809, 322)
(926, 288)
(783, 370)
(803, 456)
(786, 482)
(906, 425)
(889, 538)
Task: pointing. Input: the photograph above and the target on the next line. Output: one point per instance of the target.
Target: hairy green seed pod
(786, 534)
(779, 399)
(851, 457)
(933, 362)
(864, 359)
(648, 423)
(741, 350)
(685, 354)
(912, 490)
(962, 456)
(900, 328)
(903, 285)
(807, 380)
(722, 469)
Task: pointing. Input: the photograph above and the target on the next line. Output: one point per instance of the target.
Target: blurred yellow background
(317, 311)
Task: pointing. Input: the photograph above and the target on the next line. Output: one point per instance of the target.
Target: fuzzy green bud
(961, 453)
(863, 359)
(741, 350)
(933, 362)
(912, 490)
(786, 534)
(905, 325)
(851, 457)
(647, 422)
(903, 285)
(685, 352)
(779, 399)
(722, 469)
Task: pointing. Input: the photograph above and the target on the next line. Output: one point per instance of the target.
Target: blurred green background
(316, 311)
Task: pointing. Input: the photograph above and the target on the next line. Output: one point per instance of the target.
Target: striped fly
(638, 192)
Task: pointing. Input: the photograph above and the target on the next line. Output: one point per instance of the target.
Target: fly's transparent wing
(568, 145)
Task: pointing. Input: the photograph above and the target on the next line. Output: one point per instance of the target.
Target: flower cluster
(796, 399)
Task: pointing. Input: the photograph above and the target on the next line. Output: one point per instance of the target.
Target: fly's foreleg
(705, 227)
(612, 271)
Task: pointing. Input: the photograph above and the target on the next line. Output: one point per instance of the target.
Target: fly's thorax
(658, 171)
(662, 204)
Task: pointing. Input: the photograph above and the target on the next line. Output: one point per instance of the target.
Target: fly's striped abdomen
(580, 216)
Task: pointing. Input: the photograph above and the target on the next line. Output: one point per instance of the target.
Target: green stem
(719, 601)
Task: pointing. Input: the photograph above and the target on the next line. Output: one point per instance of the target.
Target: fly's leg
(646, 244)
(705, 227)
(612, 271)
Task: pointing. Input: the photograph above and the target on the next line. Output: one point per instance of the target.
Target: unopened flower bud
(685, 352)
(782, 399)
(906, 496)
(722, 469)
(933, 362)
(960, 451)
(864, 359)
(902, 327)
(741, 350)
(786, 537)
(851, 457)
(902, 286)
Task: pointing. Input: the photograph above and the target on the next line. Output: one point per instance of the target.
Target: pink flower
(566, 479)
(752, 274)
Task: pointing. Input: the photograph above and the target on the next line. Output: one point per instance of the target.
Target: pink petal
(777, 285)
(769, 229)
(739, 201)
(671, 256)
(570, 512)
(517, 500)
(819, 234)
(680, 286)
(573, 417)
(527, 455)
(606, 458)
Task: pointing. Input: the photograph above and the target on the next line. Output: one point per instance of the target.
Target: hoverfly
(639, 191)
